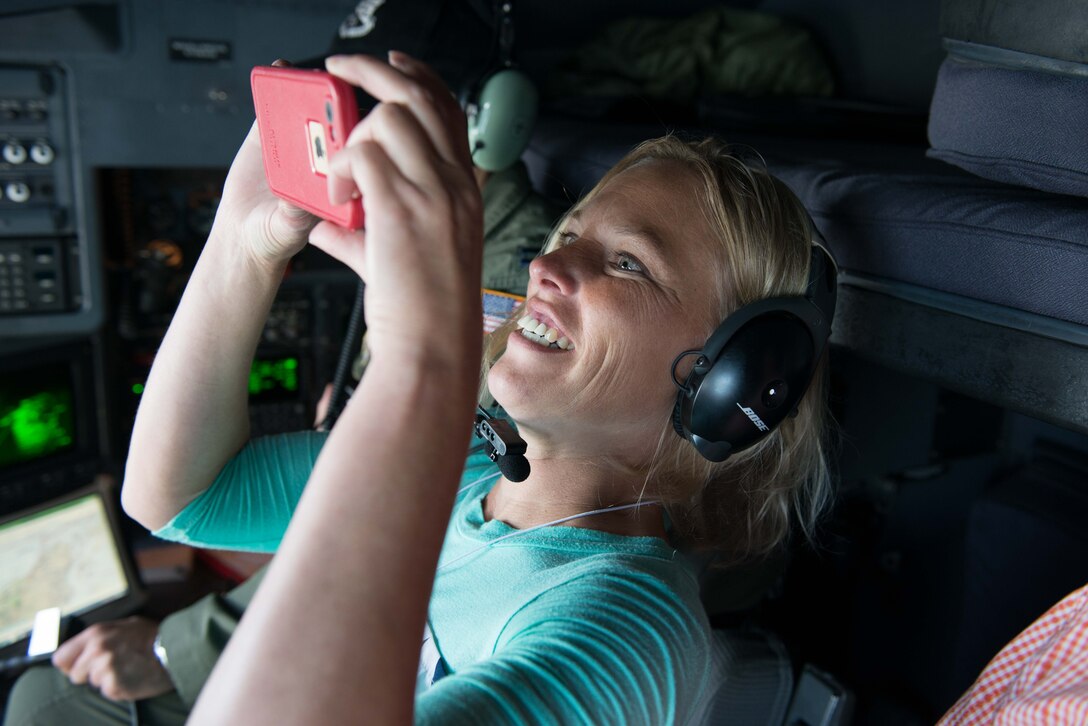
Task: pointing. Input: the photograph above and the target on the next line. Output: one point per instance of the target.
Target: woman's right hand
(420, 251)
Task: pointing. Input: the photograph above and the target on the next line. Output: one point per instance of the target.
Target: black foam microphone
(503, 445)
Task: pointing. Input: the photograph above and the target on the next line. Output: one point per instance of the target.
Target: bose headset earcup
(501, 118)
(756, 366)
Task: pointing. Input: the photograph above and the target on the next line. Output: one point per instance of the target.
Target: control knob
(42, 153)
(14, 152)
(17, 192)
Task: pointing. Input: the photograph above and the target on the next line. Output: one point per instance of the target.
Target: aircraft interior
(938, 146)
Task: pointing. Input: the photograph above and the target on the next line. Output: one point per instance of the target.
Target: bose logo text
(753, 417)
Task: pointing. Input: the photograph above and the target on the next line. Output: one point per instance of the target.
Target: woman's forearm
(193, 413)
(345, 600)
(333, 635)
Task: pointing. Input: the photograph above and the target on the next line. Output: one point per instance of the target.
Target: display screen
(62, 557)
(270, 379)
(36, 414)
(273, 379)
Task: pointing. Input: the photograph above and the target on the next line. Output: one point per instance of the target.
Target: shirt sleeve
(250, 503)
(612, 650)
(1040, 677)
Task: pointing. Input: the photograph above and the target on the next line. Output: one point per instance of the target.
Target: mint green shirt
(555, 625)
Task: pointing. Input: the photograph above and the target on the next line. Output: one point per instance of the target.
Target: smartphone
(304, 116)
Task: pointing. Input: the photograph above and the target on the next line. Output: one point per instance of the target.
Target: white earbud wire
(554, 522)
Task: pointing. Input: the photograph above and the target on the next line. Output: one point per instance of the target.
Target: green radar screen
(269, 378)
(34, 422)
(273, 378)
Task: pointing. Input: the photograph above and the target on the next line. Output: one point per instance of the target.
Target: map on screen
(65, 556)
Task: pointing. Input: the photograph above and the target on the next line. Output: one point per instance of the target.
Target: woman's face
(632, 283)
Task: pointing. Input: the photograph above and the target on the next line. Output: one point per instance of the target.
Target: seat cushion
(887, 211)
(1015, 125)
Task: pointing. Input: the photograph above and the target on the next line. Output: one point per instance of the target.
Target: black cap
(455, 37)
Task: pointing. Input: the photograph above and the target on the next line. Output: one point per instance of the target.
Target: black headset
(756, 366)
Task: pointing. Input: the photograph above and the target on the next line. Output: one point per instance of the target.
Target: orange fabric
(1041, 677)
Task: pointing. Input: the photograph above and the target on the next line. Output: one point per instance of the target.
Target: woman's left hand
(420, 252)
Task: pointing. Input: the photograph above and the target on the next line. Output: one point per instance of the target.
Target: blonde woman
(565, 598)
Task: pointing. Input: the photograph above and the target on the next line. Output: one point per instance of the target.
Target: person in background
(1040, 677)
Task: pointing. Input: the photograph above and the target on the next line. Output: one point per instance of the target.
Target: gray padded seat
(755, 679)
(976, 285)
(887, 212)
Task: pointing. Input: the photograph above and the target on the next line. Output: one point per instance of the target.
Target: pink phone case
(303, 117)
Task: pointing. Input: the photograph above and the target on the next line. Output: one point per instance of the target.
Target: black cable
(352, 342)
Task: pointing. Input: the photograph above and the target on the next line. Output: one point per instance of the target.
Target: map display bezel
(93, 607)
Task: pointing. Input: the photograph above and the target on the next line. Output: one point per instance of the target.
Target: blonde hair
(741, 508)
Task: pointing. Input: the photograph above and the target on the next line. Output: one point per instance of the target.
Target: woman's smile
(527, 336)
(540, 326)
